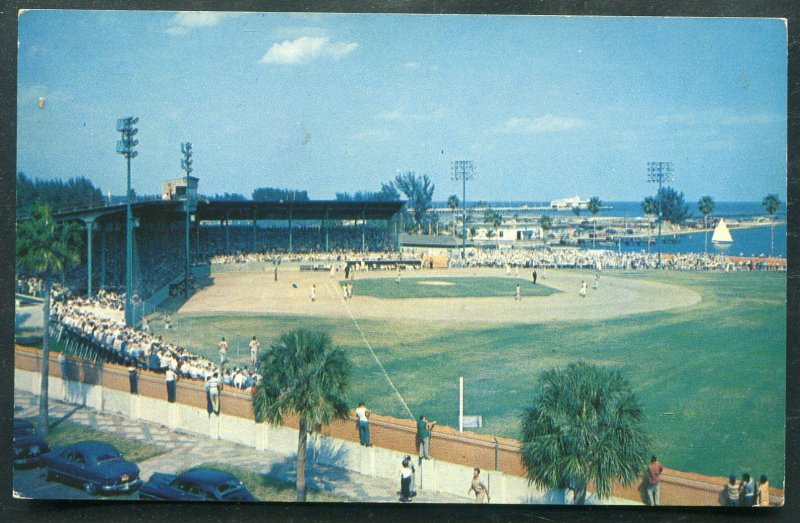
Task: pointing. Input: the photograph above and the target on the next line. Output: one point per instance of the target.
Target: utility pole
(659, 172)
(463, 170)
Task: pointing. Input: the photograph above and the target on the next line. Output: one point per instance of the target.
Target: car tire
(90, 488)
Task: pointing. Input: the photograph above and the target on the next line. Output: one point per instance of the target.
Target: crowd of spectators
(216, 241)
(35, 287)
(86, 328)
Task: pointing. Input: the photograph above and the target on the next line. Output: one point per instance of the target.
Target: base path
(256, 292)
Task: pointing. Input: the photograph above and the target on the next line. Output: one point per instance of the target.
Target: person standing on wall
(424, 428)
(171, 378)
(363, 424)
(654, 471)
(133, 378)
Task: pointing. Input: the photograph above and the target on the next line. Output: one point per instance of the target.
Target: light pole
(659, 172)
(186, 165)
(125, 148)
(463, 170)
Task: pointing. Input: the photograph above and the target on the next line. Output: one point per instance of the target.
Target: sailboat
(721, 233)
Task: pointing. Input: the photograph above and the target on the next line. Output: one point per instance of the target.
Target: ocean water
(746, 242)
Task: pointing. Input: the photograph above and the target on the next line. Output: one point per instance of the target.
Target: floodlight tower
(125, 148)
(659, 172)
(186, 165)
(463, 170)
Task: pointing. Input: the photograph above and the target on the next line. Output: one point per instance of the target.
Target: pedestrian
(363, 424)
(654, 471)
(413, 487)
(583, 289)
(333, 271)
(747, 491)
(313, 293)
(254, 345)
(516, 293)
(534, 277)
(596, 281)
(167, 322)
(145, 325)
(516, 271)
(763, 491)
(344, 291)
(347, 272)
(276, 273)
(223, 352)
(424, 428)
(732, 492)
(171, 378)
(406, 473)
(350, 290)
(478, 486)
(397, 279)
(133, 378)
(213, 387)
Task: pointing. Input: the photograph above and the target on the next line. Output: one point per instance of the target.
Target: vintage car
(95, 466)
(195, 485)
(28, 446)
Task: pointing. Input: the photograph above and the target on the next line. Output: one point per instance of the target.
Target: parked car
(195, 485)
(95, 466)
(28, 446)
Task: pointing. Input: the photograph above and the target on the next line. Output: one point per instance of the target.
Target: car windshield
(107, 457)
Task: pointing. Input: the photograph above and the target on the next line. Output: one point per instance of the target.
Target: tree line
(58, 194)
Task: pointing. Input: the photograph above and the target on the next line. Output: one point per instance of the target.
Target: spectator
(763, 491)
(363, 425)
(213, 386)
(133, 378)
(406, 473)
(171, 378)
(223, 352)
(424, 428)
(477, 486)
(732, 492)
(747, 491)
(654, 471)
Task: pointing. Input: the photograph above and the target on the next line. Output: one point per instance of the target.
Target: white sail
(721, 233)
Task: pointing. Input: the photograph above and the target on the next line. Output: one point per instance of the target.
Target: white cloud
(542, 125)
(400, 115)
(411, 65)
(183, 22)
(306, 49)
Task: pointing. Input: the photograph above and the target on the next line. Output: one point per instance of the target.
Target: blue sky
(548, 107)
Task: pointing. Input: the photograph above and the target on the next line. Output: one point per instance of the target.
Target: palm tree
(452, 203)
(306, 376)
(594, 207)
(771, 203)
(546, 223)
(584, 428)
(46, 248)
(706, 206)
(649, 207)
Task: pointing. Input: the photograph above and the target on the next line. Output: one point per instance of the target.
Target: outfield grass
(266, 488)
(711, 377)
(474, 287)
(63, 433)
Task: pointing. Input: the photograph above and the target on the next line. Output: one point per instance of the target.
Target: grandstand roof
(246, 210)
(304, 210)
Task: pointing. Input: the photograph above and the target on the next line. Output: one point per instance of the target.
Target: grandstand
(216, 228)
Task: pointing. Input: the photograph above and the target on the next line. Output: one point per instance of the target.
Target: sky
(546, 107)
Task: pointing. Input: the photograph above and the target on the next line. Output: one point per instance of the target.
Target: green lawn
(711, 378)
(474, 287)
(64, 433)
(266, 488)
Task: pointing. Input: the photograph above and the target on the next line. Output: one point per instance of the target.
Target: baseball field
(704, 351)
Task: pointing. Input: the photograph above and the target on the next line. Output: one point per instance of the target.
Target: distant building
(569, 203)
(184, 188)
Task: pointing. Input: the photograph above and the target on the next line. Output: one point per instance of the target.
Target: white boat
(721, 233)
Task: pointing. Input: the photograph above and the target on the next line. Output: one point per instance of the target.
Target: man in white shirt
(363, 424)
(213, 386)
(171, 377)
(254, 345)
(223, 352)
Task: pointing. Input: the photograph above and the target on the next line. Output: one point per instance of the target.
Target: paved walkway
(188, 450)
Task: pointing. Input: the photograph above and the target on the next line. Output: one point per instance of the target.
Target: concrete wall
(106, 388)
